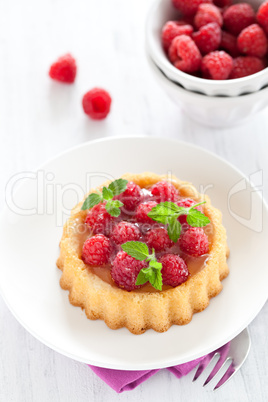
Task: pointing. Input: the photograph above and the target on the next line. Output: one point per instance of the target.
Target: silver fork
(237, 354)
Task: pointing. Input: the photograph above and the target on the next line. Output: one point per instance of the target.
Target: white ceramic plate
(29, 247)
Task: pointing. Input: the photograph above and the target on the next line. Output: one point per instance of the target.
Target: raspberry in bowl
(228, 28)
(143, 273)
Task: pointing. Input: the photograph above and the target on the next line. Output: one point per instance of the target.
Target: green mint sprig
(116, 187)
(152, 273)
(168, 213)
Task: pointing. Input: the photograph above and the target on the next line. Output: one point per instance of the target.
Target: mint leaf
(151, 274)
(141, 278)
(155, 264)
(118, 186)
(157, 283)
(195, 218)
(107, 194)
(91, 200)
(161, 213)
(174, 229)
(136, 249)
(113, 207)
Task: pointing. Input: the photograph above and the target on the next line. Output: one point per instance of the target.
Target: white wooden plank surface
(40, 118)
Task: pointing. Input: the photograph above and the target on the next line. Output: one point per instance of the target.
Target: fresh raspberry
(184, 54)
(194, 242)
(244, 66)
(99, 220)
(164, 191)
(229, 43)
(158, 239)
(207, 13)
(125, 270)
(125, 231)
(238, 17)
(189, 7)
(131, 197)
(174, 270)
(187, 203)
(208, 38)
(96, 250)
(262, 16)
(222, 3)
(96, 103)
(217, 65)
(143, 210)
(172, 29)
(64, 69)
(252, 41)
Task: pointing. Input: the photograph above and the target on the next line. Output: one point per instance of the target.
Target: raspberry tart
(144, 251)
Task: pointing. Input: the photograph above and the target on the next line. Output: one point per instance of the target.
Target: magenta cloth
(123, 380)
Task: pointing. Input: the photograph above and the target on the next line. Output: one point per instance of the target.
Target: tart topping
(96, 250)
(145, 231)
(174, 270)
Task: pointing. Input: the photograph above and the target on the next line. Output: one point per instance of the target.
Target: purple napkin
(123, 380)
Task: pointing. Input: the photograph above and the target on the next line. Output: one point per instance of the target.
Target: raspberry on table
(97, 103)
(207, 13)
(252, 41)
(125, 270)
(229, 43)
(184, 54)
(164, 191)
(143, 210)
(64, 69)
(238, 17)
(158, 239)
(194, 242)
(174, 270)
(99, 220)
(208, 38)
(262, 16)
(172, 29)
(217, 65)
(189, 7)
(131, 197)
(96, 250)
(125, 231)
(244, 66)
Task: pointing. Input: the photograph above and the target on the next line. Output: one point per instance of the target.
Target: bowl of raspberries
(212, 47)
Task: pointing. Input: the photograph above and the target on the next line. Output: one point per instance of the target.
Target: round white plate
(31, 227)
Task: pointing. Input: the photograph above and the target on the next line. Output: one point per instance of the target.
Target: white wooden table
(40, 118)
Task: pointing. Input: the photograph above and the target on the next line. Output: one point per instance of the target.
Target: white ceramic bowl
(159, 14)
(213, 111)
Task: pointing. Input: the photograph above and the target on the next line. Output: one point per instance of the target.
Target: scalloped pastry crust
(139, 311)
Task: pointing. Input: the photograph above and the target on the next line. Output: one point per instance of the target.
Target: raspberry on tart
(194, 242)
(125, 231)
(164, 191)
(158, 239)
(174, 270)
(125, 270)
(99, 220)
(150, 288)
(131, 197)
(96, 250)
